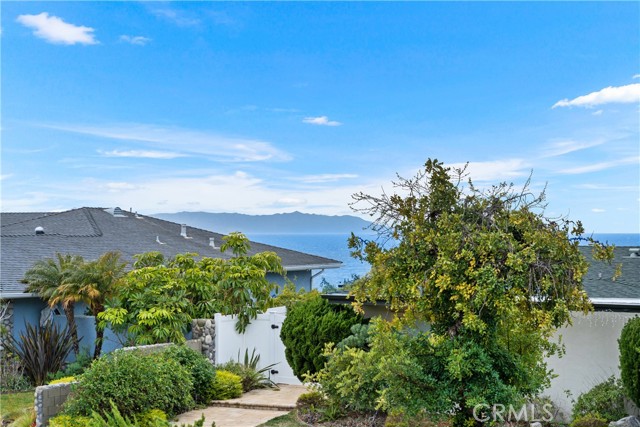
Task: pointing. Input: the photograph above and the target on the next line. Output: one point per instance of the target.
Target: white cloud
(612, 94)
(137, 40)
(144, 154)
(116, 187)
(194, 142)
(322, 178)
(559, 148)
(237, 191)
(604, 187)
(598, 210)
(177, 17)
(636, 76)
(5, 176)
(597, 113)
(595, 167)
(288, 202)
(495, 170)
(55, 30)
(321, 121)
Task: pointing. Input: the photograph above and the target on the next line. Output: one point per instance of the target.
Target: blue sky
(275, 107)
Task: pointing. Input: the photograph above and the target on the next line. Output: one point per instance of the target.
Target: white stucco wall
(591, 355)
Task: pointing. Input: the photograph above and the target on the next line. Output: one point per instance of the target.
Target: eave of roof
(312, 266)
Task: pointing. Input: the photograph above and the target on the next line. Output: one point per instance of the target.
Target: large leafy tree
(158, 299)
(52, 279)
(491, 275)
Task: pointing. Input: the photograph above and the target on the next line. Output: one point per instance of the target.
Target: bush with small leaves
(629, 344)
(135, 383)
(592, 419)
(69, 421)
(202, 371)
(605, 399)
(227, 385)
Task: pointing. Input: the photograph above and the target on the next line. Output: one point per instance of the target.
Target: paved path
(250, 410)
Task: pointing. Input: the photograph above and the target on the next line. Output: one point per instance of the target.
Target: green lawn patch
(12, 405)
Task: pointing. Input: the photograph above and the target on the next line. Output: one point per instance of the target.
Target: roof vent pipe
(212, 242)
(39, 230)
(183, 230)
(634, 252)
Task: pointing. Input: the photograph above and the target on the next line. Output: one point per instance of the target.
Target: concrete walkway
(250, 410)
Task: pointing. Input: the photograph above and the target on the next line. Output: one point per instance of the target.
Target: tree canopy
(491, 275)
(158, 299)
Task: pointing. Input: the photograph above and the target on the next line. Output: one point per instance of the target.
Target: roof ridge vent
(183, 231)
(212, 243)
(116, 212)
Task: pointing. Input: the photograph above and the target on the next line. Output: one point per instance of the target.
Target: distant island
(282, 223)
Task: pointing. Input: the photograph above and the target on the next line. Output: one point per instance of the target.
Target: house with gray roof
(90, 232)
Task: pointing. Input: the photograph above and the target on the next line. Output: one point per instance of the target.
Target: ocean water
(334, 246)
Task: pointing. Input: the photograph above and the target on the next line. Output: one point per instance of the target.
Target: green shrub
(64, 420)
(12, 376)
(41, 349)
(152, 418)
(592, 419)
(227, 385)
(75, 368)
(629, 344)
(359, 338)
(311, 399)
(252, 377)
(348, 379)
(605, 399)
(113, 418)
(202, 371)
(309, 325)
(135, 383)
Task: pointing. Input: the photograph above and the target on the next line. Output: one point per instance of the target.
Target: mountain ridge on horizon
(279, 223)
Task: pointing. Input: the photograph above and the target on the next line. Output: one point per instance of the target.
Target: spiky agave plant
(42, 349)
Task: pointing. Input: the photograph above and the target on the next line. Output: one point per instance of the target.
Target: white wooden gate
(263, 334)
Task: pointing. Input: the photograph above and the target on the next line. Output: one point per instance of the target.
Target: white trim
(630, 302)
(18, 295)
(311, 267)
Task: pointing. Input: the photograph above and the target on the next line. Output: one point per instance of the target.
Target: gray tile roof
(598, 281)
(90, 232)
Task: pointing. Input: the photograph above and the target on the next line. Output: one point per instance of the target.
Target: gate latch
(274, 372)
(274, 326)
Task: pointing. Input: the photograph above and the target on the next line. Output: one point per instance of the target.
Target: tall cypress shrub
(629, 344)
(309, 325)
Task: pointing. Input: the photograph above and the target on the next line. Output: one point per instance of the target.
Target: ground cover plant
(13, 405)
(486, 270)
